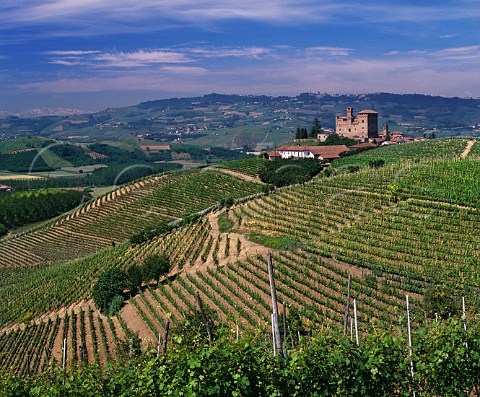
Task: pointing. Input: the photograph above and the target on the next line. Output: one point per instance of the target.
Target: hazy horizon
(94, 55)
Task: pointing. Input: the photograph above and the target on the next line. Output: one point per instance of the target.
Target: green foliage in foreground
(326, 365)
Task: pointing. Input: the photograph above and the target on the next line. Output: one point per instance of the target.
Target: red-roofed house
(5, 188)
(363, 145)
(273, 155)
(328, 153)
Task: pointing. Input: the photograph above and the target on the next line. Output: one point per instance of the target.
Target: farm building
(5, 188)
(327, 153)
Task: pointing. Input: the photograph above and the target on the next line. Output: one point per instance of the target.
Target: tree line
(107, 176)
(22, 208)
(23, 162)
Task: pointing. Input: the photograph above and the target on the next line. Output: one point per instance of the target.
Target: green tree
(335, 139)
(134, 279)
(110, 283)
(301, 133)
(155, 266)
(316, 128)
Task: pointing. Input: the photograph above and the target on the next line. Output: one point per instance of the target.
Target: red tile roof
(363, 145)
(273, 154)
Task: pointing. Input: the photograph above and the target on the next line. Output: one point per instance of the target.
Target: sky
(96, 54)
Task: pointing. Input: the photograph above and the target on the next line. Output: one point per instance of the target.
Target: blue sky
(94, 54)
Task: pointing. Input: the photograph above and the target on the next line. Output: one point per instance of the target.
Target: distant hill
(251, 121)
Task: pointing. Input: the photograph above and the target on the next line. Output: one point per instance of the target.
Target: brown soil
(58, 344)
(135, 322)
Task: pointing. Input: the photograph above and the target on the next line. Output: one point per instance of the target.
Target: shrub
(377, 163)
(287, 172)
(440, 300)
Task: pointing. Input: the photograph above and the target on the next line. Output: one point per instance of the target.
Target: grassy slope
(54, 160)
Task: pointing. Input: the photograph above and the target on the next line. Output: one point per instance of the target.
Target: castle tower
(362, 126)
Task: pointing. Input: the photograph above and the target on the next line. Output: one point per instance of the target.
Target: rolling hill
(250, 121)
(398, 229)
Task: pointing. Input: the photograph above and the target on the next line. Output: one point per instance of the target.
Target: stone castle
(363, 126)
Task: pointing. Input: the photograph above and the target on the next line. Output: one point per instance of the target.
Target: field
(4, 176)
(398, 230)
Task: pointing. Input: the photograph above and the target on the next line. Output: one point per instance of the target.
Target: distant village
(362, 127)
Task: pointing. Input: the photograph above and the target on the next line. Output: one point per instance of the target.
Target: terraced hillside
(121, 213)
(392, 241)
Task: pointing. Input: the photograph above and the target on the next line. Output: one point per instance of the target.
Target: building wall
(299, 154)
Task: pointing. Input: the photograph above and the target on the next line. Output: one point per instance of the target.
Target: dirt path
(247, 248)
(467, 149)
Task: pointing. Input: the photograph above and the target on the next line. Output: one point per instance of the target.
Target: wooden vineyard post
(64, 354)
(130, 353)
(347, 307)
(159, 343)
(46, 357)
(273, 335)
(165, 337)
(410, 351)
(356, 323)
(464, 315)
(204, 316)
(276, 327)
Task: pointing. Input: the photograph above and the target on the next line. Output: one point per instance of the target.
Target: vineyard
(392, 242)
(121, 213)
(248, 166)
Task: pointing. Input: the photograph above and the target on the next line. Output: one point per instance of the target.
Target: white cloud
(288, 72)
(72, 53)
(223, 52)
(332, 51)
(152, 57)
(140, 58)
(103, 15)
(466, 53)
